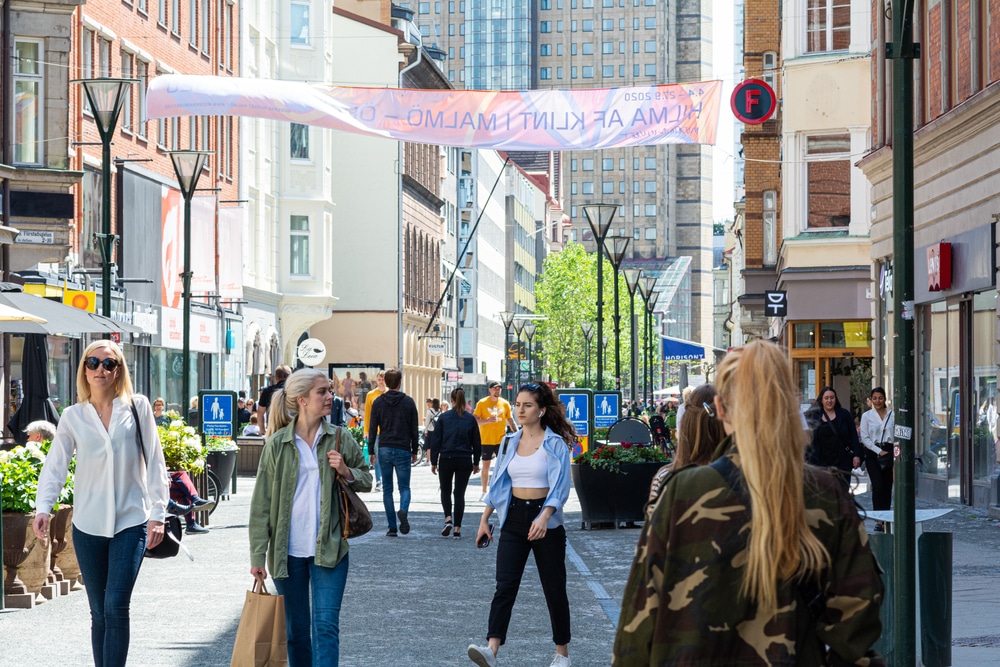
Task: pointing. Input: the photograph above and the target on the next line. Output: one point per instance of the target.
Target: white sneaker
(482, 656)
(560, 661)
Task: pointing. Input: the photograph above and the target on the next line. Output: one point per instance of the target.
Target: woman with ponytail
(756, 558)
(295, 517)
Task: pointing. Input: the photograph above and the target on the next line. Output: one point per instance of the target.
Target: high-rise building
(664, 192)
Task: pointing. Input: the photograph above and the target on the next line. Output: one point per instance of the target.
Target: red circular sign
(753, 101)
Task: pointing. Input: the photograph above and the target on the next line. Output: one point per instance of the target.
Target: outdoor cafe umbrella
(11, 314)
(35, 383)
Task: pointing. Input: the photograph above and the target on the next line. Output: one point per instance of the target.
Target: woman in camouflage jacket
(792, 582)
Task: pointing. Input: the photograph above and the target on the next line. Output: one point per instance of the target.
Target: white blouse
(111, 490)
(874, 430)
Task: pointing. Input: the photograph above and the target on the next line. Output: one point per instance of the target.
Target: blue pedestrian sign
(607, 408)
(577, 410)
(218, 413)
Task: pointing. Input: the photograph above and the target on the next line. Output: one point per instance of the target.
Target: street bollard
(935, 557)
(882, 547)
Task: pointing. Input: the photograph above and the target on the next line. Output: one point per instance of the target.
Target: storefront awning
(675, 349)
(59, 319)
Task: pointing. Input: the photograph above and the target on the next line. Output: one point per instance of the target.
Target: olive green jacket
(271, 505)
(682, 604)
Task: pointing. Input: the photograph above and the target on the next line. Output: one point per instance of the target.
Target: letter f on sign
(752, 99)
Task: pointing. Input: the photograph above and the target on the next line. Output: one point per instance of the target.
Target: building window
(607, 47)
(650, 23)
(298, 240)
(161, 13)
(545, 73)
(650, 69)
(770, 219)
(608, 187)
(588, 72)
(608, 71)
(544, 50)
(299, 140)
(545, 26)
(649, 187)
(588, 164)
(126, 114)
(299, 22)
(649, 46)
(649, 210)
(588, 48)
(588, 25)
(205, 15)
(649, 163)
(588, 187)
(104, 52)
(193, 24)
(607, 24)
(828, 25)
(828, 178)
(608, 164)
(650, 233)
(175, 18)
(29, 84)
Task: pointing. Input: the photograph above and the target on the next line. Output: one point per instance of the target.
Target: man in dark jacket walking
(394, 421)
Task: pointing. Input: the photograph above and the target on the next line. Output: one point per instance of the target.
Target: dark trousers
(459, 470)
(109, 566)
(881, 480)
(512, 555)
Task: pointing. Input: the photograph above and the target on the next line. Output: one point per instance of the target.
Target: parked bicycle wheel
(213, 484)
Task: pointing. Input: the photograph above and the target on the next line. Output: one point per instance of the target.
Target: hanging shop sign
(938, 267)
(753, 101)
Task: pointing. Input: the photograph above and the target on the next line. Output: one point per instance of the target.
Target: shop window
(804, 336)
(828, 179)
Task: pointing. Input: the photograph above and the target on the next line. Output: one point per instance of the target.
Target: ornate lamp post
(506, 318)
(518, 328)
(529, 331)
(599, 216)
(616, 253)
(588, 335)
(632, 282)
(647, 285)
(188, 166)
(106, 97)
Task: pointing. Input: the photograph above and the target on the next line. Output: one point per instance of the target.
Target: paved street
(421, 599)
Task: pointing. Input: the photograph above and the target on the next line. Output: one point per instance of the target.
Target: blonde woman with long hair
(756, 558)
(295, 522)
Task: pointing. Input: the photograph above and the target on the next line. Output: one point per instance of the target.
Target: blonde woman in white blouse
(120, 493)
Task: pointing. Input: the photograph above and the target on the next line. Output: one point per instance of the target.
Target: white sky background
(724, 191)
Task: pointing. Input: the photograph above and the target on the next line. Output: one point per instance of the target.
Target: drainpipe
(399, 231)
(5, 118)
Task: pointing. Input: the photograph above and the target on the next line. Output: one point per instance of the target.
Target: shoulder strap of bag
(138, 435)
(884, 424)
(506, 441)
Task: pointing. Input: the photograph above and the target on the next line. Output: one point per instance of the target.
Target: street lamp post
(599, 216)
(188, 166)
(588, 335)
(518, 328)
(646, 286)
(632, 283)
(616, 253)
(106, 97)
(529, 331)
(506, 318)
(654, 296)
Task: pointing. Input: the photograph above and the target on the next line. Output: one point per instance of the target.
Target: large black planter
(609, 497)
(223, 464)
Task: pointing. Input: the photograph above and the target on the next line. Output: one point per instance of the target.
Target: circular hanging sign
(753, 101)
(436, 347)
(311, 351)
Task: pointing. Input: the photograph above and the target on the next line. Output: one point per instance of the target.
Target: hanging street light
(588, 335)
(518, 327)
(106, 97)
(506, 318)
(646, 286)
(599, 216)
(529, 331)
(188, 166)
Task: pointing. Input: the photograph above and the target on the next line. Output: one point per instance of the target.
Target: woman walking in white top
(876, 435)
(120, 492)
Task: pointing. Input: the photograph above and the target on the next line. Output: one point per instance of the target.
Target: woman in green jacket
(295, 521)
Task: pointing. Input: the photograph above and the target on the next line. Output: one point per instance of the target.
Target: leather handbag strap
(138, 435)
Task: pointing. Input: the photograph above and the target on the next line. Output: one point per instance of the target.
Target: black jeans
(512, 555)
(459, 469)
(881, 480)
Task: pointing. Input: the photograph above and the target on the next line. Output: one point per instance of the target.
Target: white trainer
(560, 661)
(482, 656)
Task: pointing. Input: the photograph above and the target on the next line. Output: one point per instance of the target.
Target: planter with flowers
(181, 445)
(221, 458)
(612, 482)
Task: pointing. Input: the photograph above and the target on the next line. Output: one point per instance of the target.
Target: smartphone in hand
(484, 541)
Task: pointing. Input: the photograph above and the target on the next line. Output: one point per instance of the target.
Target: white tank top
(529, 472)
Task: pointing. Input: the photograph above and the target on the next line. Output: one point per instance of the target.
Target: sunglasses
(92, 363)
(530, 386)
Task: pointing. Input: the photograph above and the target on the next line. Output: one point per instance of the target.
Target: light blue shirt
(305, 502)
(557, 470)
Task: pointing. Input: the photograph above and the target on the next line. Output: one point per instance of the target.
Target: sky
(724, 69)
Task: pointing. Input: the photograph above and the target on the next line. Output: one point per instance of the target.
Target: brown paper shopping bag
(260, 637)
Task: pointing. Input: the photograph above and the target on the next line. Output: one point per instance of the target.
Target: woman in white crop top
(528, 491)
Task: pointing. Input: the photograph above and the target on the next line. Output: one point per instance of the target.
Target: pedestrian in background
(120, 493)
(281, 374)
(433, 410)
(530, 488)
(699, 436)
(40, 431)
(877, 426)
(370, 396)
(756, 558)
(394, 420)
(835, 442)
(454, 445)
(158, 406)
(493, 415)
(295, 525)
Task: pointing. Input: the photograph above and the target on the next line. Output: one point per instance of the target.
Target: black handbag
(355, 519)
(170, 546)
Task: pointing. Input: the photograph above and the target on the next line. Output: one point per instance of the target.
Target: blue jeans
(313, 636)
(109, 566)
(390, 458)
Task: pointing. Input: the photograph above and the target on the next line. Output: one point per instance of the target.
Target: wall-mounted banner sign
(579, 119)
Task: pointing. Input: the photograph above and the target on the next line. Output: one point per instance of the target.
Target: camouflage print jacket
(682, 604)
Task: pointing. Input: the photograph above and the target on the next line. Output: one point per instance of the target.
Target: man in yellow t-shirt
(493, 416)
(373, 446)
